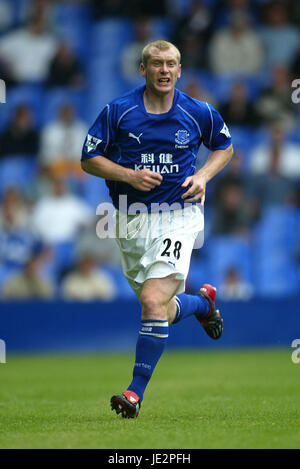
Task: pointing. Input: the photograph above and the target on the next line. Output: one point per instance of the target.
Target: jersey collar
(157, 116)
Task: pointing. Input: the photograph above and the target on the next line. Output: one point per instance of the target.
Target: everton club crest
(182, 137)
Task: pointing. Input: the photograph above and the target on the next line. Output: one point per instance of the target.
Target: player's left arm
(196, 184)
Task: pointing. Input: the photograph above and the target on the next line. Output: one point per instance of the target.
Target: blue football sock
(149, 348)
(187, 305)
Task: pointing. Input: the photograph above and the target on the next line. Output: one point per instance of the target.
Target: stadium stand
(265, 257)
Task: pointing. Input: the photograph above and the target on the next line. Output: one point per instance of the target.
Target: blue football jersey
(167, 143)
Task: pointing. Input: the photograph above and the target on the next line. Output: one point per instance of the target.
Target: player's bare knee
(153, 308)
(151, 314)
(151, 305)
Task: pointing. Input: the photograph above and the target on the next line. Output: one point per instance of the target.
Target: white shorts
(156, 245)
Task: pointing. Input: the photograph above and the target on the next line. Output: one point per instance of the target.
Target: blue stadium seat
(278, 228)
(276, 277)
(6, 273)
(224, 84)
(59, 96)
(73, 24)
(101, 90)
(293, 136)
(94, 191)
(162, 28)
(199, 273)
(276, 237)
(123, 289)
(243, 141)
(19, 8)
(202, 77)
(30, 94)
(224, 252)
(63, 256)
(17, 171)
(110, 36)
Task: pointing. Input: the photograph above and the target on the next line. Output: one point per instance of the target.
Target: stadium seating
(73, 25)
(267, 260)
(124, 291)
(17, 171)
(226, 251)
(274, 251)
(94, 191)
(57, 97)
(29, 94)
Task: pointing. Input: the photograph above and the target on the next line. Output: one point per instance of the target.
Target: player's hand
(196, 188)
(145, 180)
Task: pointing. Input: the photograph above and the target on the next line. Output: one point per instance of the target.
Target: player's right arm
(95, 161)
(100, 166)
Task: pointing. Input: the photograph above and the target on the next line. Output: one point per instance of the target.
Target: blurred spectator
(16, 239)
(236, 48)
(132, 54)
(87, 282)
(230, 214)
(295, 67)
(225, 9)
(130, 8)
(275, 104)
(57, 217)
(297, 250)
(61, 143)
(145, 7)
(14, 211)
(113, 8)
(279, 35)
(236, 177)
(21, 137)
(192, 34)
(105, 248)
(288, 163)
(232, 176)
(6, 73)
(6, 15)
(65, 68)
(272, 188)
(239, 110)
(194, 89)
(38, 8)
(28, 284)
(197, 20)
(193, 52)
(234, 288)
(29, 50)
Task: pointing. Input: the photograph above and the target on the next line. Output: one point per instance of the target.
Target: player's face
(161, 71)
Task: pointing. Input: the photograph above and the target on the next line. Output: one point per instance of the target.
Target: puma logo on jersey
(134, 136)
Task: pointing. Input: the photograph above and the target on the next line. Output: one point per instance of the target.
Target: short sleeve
(216, 135)
(100, 136)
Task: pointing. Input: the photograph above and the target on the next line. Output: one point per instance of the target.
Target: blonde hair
(161, 45)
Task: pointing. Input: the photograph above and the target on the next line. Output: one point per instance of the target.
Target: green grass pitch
(196, 399)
